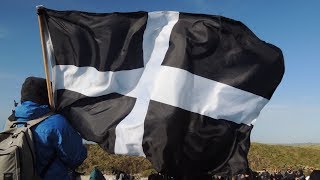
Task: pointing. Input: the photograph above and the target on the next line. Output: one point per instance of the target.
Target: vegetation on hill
(260, 156)
(284, 156)
(108, 162)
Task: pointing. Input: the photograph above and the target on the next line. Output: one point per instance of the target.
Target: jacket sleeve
(69, 146)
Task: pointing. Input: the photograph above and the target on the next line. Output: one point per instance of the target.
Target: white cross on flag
(180, 89)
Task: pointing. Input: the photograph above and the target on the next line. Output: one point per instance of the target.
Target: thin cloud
(8, 76)
(277, 107)
(3, 33)
(200, 3)
(197, 5)
(209, 6)
(292, 109)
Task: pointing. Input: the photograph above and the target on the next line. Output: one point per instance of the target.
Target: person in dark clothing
(265, 175)
(315, 175)
(289, 175)
(278, 175)
(54, 139)
(271, 176)
(155, 177)
(255, 175)
(300, 175)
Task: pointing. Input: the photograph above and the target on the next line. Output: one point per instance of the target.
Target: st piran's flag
(180, 89)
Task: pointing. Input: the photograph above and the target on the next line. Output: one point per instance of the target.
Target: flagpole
(45, 63)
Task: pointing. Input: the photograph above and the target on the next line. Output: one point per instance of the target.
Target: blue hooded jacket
(53, 137)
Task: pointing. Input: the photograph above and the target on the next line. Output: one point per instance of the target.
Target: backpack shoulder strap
(30, 123)
(38, 120)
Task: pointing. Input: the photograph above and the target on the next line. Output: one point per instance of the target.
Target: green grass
(260, 156)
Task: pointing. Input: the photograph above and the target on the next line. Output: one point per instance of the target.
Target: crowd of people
(289, 174)
(278, 174)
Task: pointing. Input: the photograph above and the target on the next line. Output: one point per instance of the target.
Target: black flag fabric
(180, 89)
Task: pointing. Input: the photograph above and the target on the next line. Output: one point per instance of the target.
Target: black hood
(35, 89)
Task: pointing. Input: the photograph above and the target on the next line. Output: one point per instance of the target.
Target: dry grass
(107, 162)
(284, 156)
(260, 156)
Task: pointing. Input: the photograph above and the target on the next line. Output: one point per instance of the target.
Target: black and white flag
(180, 89)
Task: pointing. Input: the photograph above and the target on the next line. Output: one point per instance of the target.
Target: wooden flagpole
(45, 60)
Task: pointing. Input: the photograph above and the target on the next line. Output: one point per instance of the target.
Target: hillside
(260, 156)
(284, 156)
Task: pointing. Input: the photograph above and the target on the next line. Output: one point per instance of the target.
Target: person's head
(35, 89)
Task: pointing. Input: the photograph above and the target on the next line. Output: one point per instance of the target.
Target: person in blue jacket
(56, 142)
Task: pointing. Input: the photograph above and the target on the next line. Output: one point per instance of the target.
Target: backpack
(17, 155)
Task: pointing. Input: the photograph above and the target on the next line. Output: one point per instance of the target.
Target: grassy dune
(106, 162)
(260, 156)
(284, 156)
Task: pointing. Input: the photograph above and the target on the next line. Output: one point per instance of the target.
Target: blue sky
(292, 115)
